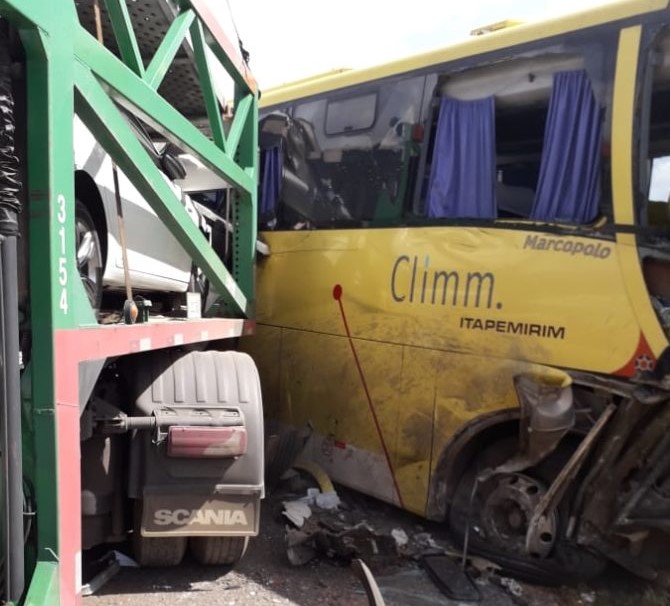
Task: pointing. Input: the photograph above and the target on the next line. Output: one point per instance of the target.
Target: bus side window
(396, 148)
(658, 145)
(271, 134)
(462, 176)
(539, 122)
(367, 150)
(659, 191)
(292, 193)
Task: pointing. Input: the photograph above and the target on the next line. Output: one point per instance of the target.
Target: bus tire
(565, 563)
(218, 550)
(282, 448)
(155, 551)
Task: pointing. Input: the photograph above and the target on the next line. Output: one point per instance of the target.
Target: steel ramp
(151, 20)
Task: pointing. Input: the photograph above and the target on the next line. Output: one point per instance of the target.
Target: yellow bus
(468, 291)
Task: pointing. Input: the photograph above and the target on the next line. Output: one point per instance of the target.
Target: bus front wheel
(496, 512)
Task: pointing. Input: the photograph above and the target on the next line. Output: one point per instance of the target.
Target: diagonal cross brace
(113, 132)
(135, 94)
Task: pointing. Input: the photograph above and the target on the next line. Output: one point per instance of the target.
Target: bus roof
(475, 45)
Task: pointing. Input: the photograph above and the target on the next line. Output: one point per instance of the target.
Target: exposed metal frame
(69, 71)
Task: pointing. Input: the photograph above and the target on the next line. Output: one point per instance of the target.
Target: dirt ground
(265, 575)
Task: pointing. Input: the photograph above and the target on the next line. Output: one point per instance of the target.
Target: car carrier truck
(126, 413)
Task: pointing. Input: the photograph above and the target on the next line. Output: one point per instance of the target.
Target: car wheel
(88, 254)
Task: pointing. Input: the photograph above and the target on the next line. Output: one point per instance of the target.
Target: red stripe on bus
(337, 295)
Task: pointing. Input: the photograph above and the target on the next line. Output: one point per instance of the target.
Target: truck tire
(155, 551)
(218, 550)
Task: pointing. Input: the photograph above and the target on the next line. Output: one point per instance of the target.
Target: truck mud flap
(206, 424)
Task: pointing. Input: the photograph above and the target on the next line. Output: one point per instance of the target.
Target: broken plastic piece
(451, 579)
(113, 566)
(310, 497)
(297, 512)
(327, 500)
(124, 560)
(400, 537)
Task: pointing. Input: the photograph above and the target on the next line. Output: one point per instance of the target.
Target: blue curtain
(271, 161)
(568, 189)
(462, 176)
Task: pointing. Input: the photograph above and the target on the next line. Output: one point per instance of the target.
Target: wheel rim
(507, 513)
(89, 258)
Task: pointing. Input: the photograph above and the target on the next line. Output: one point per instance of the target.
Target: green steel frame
(69, 71)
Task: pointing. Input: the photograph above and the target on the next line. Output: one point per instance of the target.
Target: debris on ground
(297, 512)
(320, 526)
(424, 544)
(265, 576)
(451, 578)
(334, 539)
(513, 586)
(124, 560)
(372, 591)
(323, 500)
(588, 597)
(299, 548)
(483, 566)
(316, 472)
(400, 537)
(101, 570)
(327, 500)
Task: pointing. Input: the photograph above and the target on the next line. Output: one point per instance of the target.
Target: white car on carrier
(156, 260)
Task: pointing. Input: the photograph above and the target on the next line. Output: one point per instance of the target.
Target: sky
(292, 39)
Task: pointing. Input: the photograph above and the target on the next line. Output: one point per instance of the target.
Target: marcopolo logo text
(567, 246)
